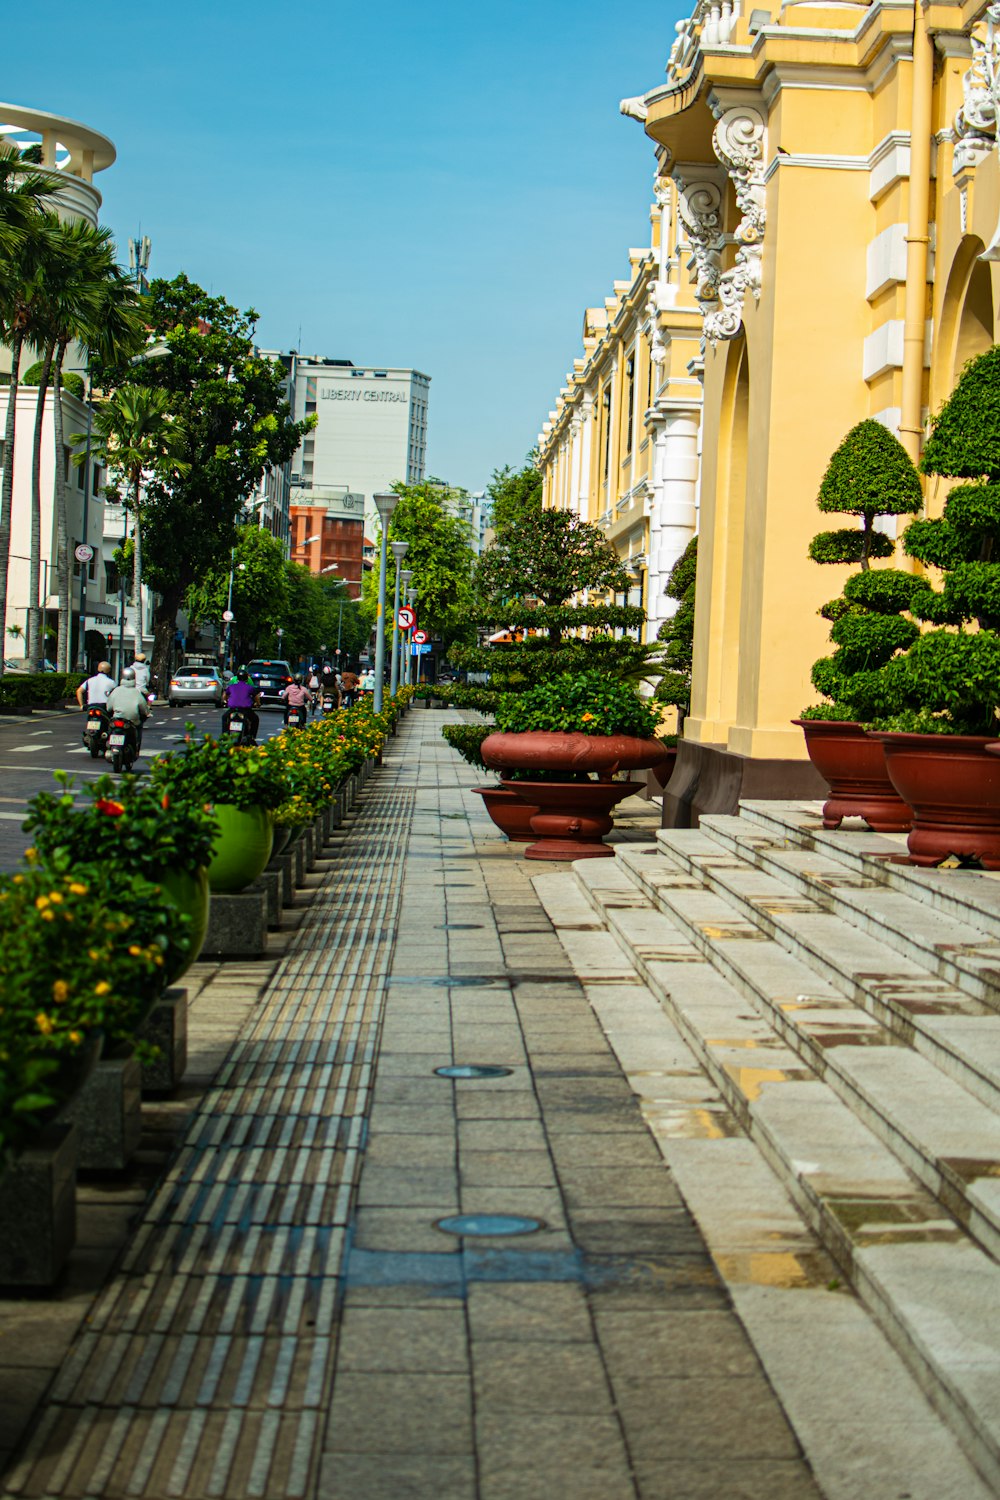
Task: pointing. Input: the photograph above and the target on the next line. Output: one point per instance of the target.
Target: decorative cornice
(739, 141)
(976, 120)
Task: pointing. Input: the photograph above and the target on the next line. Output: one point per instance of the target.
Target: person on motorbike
(349, 685)
(127, 702)
(140, 667)
(245, 695)
(296, 695)
(96, 689)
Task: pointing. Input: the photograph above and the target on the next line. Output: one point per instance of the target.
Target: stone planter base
(237, 926)
(38, 1209)
(570, 818)
(166, 1028)
(272, 884)
(107, 1113)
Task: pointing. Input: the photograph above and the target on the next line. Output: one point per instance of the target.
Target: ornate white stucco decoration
(739, 142)
(635, 108)
(976, 121)
(699, 209)
(710, 24)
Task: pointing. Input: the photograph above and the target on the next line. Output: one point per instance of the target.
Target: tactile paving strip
(208, 1358)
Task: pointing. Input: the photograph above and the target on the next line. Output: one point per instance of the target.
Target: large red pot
(572, 817)
(509, 812)
(546, 750)
(853, 766)
(952, 783)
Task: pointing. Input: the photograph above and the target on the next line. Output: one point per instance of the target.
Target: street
(33, 746)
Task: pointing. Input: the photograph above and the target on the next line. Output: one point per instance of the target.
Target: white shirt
(97, 688)
(141, 669)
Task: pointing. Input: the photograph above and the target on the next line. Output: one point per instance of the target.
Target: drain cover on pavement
(473, 1070)
(489, 1224)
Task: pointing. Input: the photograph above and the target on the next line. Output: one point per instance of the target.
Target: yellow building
(838, 185)
(621, 448)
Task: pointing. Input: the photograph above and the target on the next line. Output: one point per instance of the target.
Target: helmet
(128, 675)
(298, 677)
(242, 675)
(104, 666)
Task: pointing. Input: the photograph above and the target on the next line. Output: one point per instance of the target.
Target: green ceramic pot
(188, 890)
(242, 848)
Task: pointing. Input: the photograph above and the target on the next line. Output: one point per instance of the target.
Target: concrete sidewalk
(291, 1317)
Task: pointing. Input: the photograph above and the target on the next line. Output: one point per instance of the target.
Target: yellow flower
(30, 854)
(76, 1037)
(77, 889)
(135, 950)
(55, 896)
(586, 718)
(43, 1023)
(60, 990)
(48, 916)
(102, 988)
(41, 902)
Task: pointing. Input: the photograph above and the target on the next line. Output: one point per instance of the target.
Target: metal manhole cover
(458, 926)
(489, 1224)
(473, 1070)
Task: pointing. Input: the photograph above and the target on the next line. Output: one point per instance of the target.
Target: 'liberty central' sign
(344, 393)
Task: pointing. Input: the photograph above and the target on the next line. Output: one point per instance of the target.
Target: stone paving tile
(406, 1476)
(425, 1341)
(389, 1413)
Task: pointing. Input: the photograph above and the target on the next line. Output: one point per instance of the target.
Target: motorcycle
(329, 703)
(295, 716)
(95, 730)
(123, 744)
(237, 725)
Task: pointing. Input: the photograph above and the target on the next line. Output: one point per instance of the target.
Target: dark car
(271, 677)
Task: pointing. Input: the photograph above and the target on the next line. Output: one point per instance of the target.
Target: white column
(674, 510)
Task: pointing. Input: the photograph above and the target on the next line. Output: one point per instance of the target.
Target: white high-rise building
(371, 429)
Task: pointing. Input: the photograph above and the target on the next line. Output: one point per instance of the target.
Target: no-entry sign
(419, 638)
(406, 618)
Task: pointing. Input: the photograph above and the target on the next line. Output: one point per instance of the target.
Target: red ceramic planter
(544, 750)
(952, 783)
(511, 815)
(572, 817)
(853, 766)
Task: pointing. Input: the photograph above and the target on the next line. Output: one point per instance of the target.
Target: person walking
(127, 701)
(95, 689)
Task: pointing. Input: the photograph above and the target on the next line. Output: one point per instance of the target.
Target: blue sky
(446, 186)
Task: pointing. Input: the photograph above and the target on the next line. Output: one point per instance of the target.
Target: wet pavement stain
(968, 1168)
(799, 1269)
(687, 1123)
(853, 1038)
(750, 1081)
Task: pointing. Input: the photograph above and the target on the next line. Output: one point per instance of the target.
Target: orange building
(328, 534)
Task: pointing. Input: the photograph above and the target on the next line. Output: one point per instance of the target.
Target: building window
(112, 581)
(630, 404)
(606, 431)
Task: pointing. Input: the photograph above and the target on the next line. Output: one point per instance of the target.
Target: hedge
(38, 689)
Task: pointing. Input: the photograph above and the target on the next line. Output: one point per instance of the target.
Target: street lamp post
(411, 599)
(84, 566)
(385, 504)
(404, 635)
(399, 550)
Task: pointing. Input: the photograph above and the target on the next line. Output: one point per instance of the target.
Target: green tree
(236, 423)
(440, 556)
(550, 555)
(260, 591)
(869, 475)
(23, 189)
(137, 435)
(514, 494)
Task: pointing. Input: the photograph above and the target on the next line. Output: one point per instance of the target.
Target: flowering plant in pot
(943, 694)
(870, 475)
(242, 786)
(84, 952)
(562, 731)
(510, 813)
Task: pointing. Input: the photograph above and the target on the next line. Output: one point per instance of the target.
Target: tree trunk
(64, 583)
(137, 566)
(164, 630)
(7, 487)
(36, 607)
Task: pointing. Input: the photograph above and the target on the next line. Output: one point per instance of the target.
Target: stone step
(970, 896)
(958, 951)
(930, 1287)
(958, 1032)
(938, 1131)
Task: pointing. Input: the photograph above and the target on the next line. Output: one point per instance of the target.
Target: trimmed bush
(38, 689)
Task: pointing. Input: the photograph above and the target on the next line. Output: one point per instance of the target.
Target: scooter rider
(245, 695)
(127, 701)
(96, 689)
(296, 695)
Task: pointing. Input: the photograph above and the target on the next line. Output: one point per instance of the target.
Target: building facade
(328, 535)
(371, 428)
(77, 153)
(621, 447)
(837, 187)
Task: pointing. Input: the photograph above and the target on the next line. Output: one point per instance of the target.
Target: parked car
(271, 677)
(20, 664)
(196, 685)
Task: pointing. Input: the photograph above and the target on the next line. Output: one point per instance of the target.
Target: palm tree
(87, 299)
(136, 432)
(23, 187)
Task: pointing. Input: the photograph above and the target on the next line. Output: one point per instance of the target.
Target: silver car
(196, 685)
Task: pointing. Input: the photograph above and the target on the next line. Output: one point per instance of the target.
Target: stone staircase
(843, 1012)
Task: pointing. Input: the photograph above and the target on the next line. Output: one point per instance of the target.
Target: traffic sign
(84, 552)
(406, 618)
(421, 650)
(228, 615)
(419, 638)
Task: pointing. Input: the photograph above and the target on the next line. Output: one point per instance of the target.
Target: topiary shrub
(869, 475)
(949, 681)
(673, 686)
